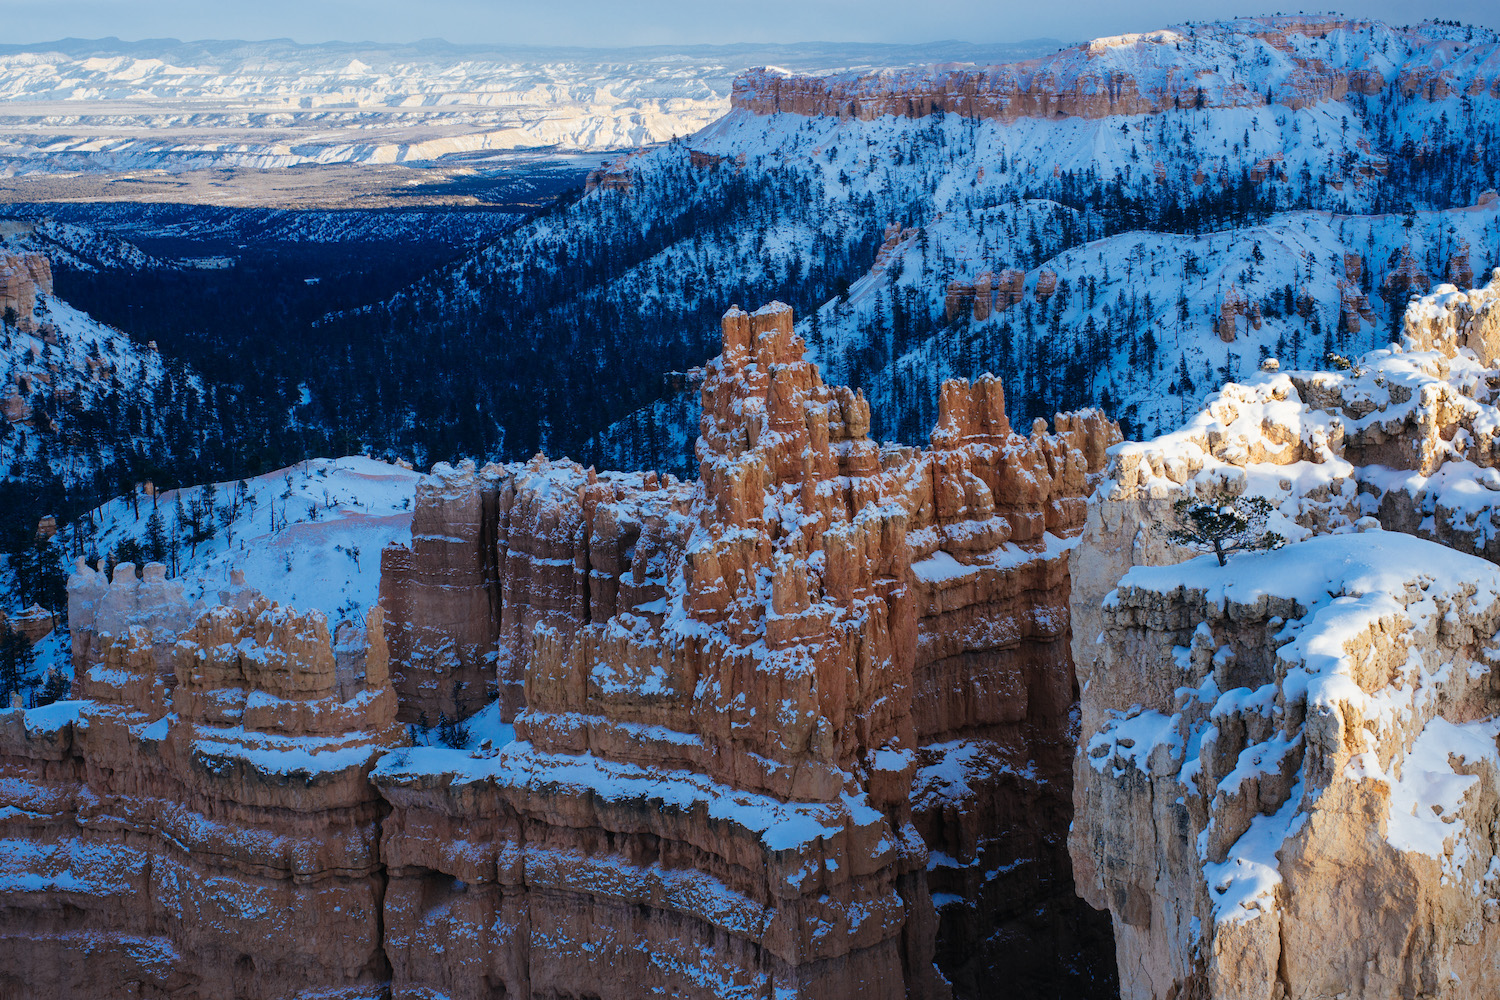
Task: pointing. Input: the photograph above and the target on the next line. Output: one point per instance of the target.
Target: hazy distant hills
(163, 104)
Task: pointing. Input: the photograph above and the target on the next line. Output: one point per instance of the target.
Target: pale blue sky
(647, 22)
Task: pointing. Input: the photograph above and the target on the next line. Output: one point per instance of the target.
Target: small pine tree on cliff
(1224, 524)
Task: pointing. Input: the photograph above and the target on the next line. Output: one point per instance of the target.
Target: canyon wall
(442, 602)
(799, 728)
(1287, 772)
(809, 726)
(770, 717)
(1146, 73)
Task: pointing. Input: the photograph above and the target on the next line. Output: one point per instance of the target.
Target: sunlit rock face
(23, 276)
(770, 717)
(1287, 772)
(201, 822)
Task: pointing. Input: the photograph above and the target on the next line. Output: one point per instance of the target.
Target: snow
(941, 567)
(986, 195)
(1129, 738)
(333, 517)
(53, 652)
(685, 890)
(169, 105)
(70, 866)
(1340, 586)
(948, 773)
(52, 718)
(1331, 573)
(781, 826)
(1429, 794)
(1244, 884)
(484, 726)
(287, 756)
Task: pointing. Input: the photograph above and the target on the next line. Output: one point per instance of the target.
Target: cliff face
(441, 597)
(1287, 770)
(767, 713)
(200, 823)
(22, 278)
(1291, 792)
(1296, 62)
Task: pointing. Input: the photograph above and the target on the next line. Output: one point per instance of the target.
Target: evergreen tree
(16, 661)
(156, 536)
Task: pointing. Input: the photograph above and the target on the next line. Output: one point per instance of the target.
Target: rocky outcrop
(442, 599)
(33, 624)
(1405, 277)
(1235, 304)
(750, 706)
(1292, 791)
(993, 689)
(201, 822)
(1450, 321)
(992, 292)
(1287, 769)
(22, 278)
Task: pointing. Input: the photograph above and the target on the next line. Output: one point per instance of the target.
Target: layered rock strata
(201, 822)
(1288, 769)
(765, 713)
(441, 596)
(1149, 73)
(800, 729)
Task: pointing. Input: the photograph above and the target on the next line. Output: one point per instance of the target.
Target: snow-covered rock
(308, 536)
(202, 813)
(1306, 738)
(821, 678)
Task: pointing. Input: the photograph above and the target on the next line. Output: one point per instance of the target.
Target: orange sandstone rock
(804, 632)
(203, 819)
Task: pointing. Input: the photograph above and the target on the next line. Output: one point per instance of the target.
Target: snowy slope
(331, 519)
(1137, 321)
(1316, 139)
(79, 395)
(82, 248)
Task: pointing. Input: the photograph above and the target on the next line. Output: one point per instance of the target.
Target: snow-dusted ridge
(1304, 730)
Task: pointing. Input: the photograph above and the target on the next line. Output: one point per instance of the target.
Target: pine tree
(156, 536)
(1223, 524)
(16, 660)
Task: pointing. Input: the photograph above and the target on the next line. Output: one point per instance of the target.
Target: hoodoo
(800, 727)
(770, 716)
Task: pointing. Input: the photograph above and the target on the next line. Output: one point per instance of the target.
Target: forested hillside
(1136, 197)
(1128, 222)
